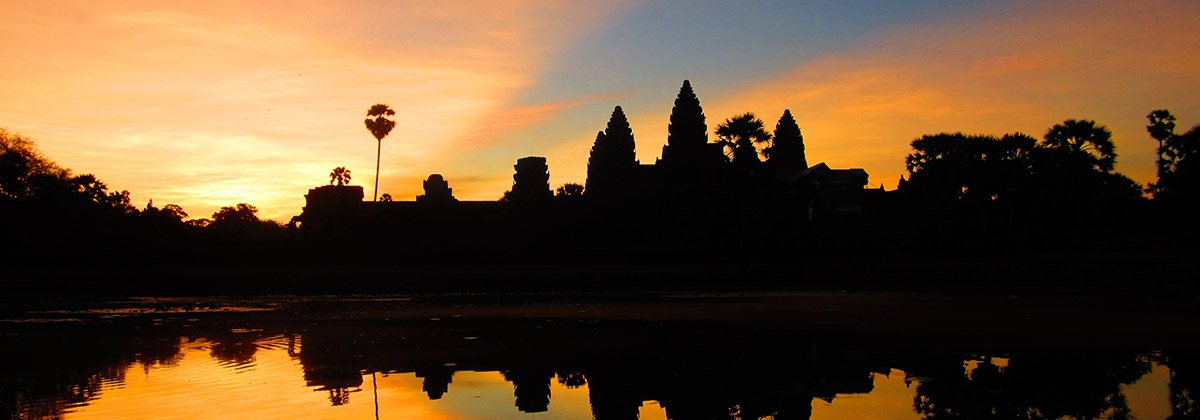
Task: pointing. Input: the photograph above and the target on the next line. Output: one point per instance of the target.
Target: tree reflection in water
(1039, 385)
(694, 370)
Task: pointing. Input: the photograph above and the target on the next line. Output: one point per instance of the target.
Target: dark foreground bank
(1169, 272)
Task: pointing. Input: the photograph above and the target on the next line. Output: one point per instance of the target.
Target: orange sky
(207, 105)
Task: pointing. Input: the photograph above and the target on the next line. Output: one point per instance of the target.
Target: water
(661, 357)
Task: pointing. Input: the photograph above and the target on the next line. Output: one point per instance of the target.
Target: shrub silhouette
(341, 175)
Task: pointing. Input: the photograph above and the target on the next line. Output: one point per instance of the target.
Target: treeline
(1065, 186)
(47, 212)
(962, 192)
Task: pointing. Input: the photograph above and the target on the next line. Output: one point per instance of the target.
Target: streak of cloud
(1026, 69)
(208, 105)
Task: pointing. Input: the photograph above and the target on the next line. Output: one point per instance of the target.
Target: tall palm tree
(379, 127)
(1161, 128)
(738, 134)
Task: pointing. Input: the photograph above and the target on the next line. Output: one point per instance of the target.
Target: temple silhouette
(697, 196)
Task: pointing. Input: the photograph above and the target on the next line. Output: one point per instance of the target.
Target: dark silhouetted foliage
(379, 126)
(43, 206)
(21, 165)
(340, 175)
(378, 123)
(241, 223)
(1161, 128)
(1180, 180)
(1084, 143)
(242, 212)
(168, 220)
(26, 175)
(569, 190)
(1044, 386)
(739, 134)
(1014, 186)
(201, 222)
(970, 167)
(1075, 164)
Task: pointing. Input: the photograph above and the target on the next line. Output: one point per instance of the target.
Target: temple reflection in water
(692, 370)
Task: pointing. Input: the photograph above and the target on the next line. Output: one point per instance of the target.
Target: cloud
(211, 103)
(1020, 69)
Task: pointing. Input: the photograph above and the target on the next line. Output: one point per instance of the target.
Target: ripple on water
(200, 384)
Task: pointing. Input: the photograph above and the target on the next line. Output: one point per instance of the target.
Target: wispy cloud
(1018, 70)
(211, 104)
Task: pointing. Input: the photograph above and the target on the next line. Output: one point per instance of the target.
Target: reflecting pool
(679, 357)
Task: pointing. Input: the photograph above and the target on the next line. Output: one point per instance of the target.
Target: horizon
(209, 105)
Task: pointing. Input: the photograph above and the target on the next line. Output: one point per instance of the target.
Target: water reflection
(304, 361)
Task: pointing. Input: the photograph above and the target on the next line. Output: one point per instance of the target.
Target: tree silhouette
(569, 190)
(379, 126)
(1161, 128)
(787, 149)
(241, 212)
(1075, 164)
(200, 223)
(1032, 386)
(1084, 142)
(387, 198)
(738, 135)
(168, 215)
(341, 175)
(1180, 179)
(970, 168)
(174, 211)
(1068, 168)
(21, 163)
(90, 188)
(241, 222)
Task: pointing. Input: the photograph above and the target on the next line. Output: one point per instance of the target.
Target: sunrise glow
(208, 105)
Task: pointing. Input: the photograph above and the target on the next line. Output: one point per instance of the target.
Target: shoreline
(1163, 273)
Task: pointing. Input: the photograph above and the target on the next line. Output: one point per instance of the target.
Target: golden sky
(208, 104)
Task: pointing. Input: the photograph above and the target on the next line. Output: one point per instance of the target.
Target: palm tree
(379, 127)
(570, 190)
(1085, 142)
(1161, 128)
(341, 175)
(738, 135)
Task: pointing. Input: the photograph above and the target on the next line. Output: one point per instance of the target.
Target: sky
(214, 103)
